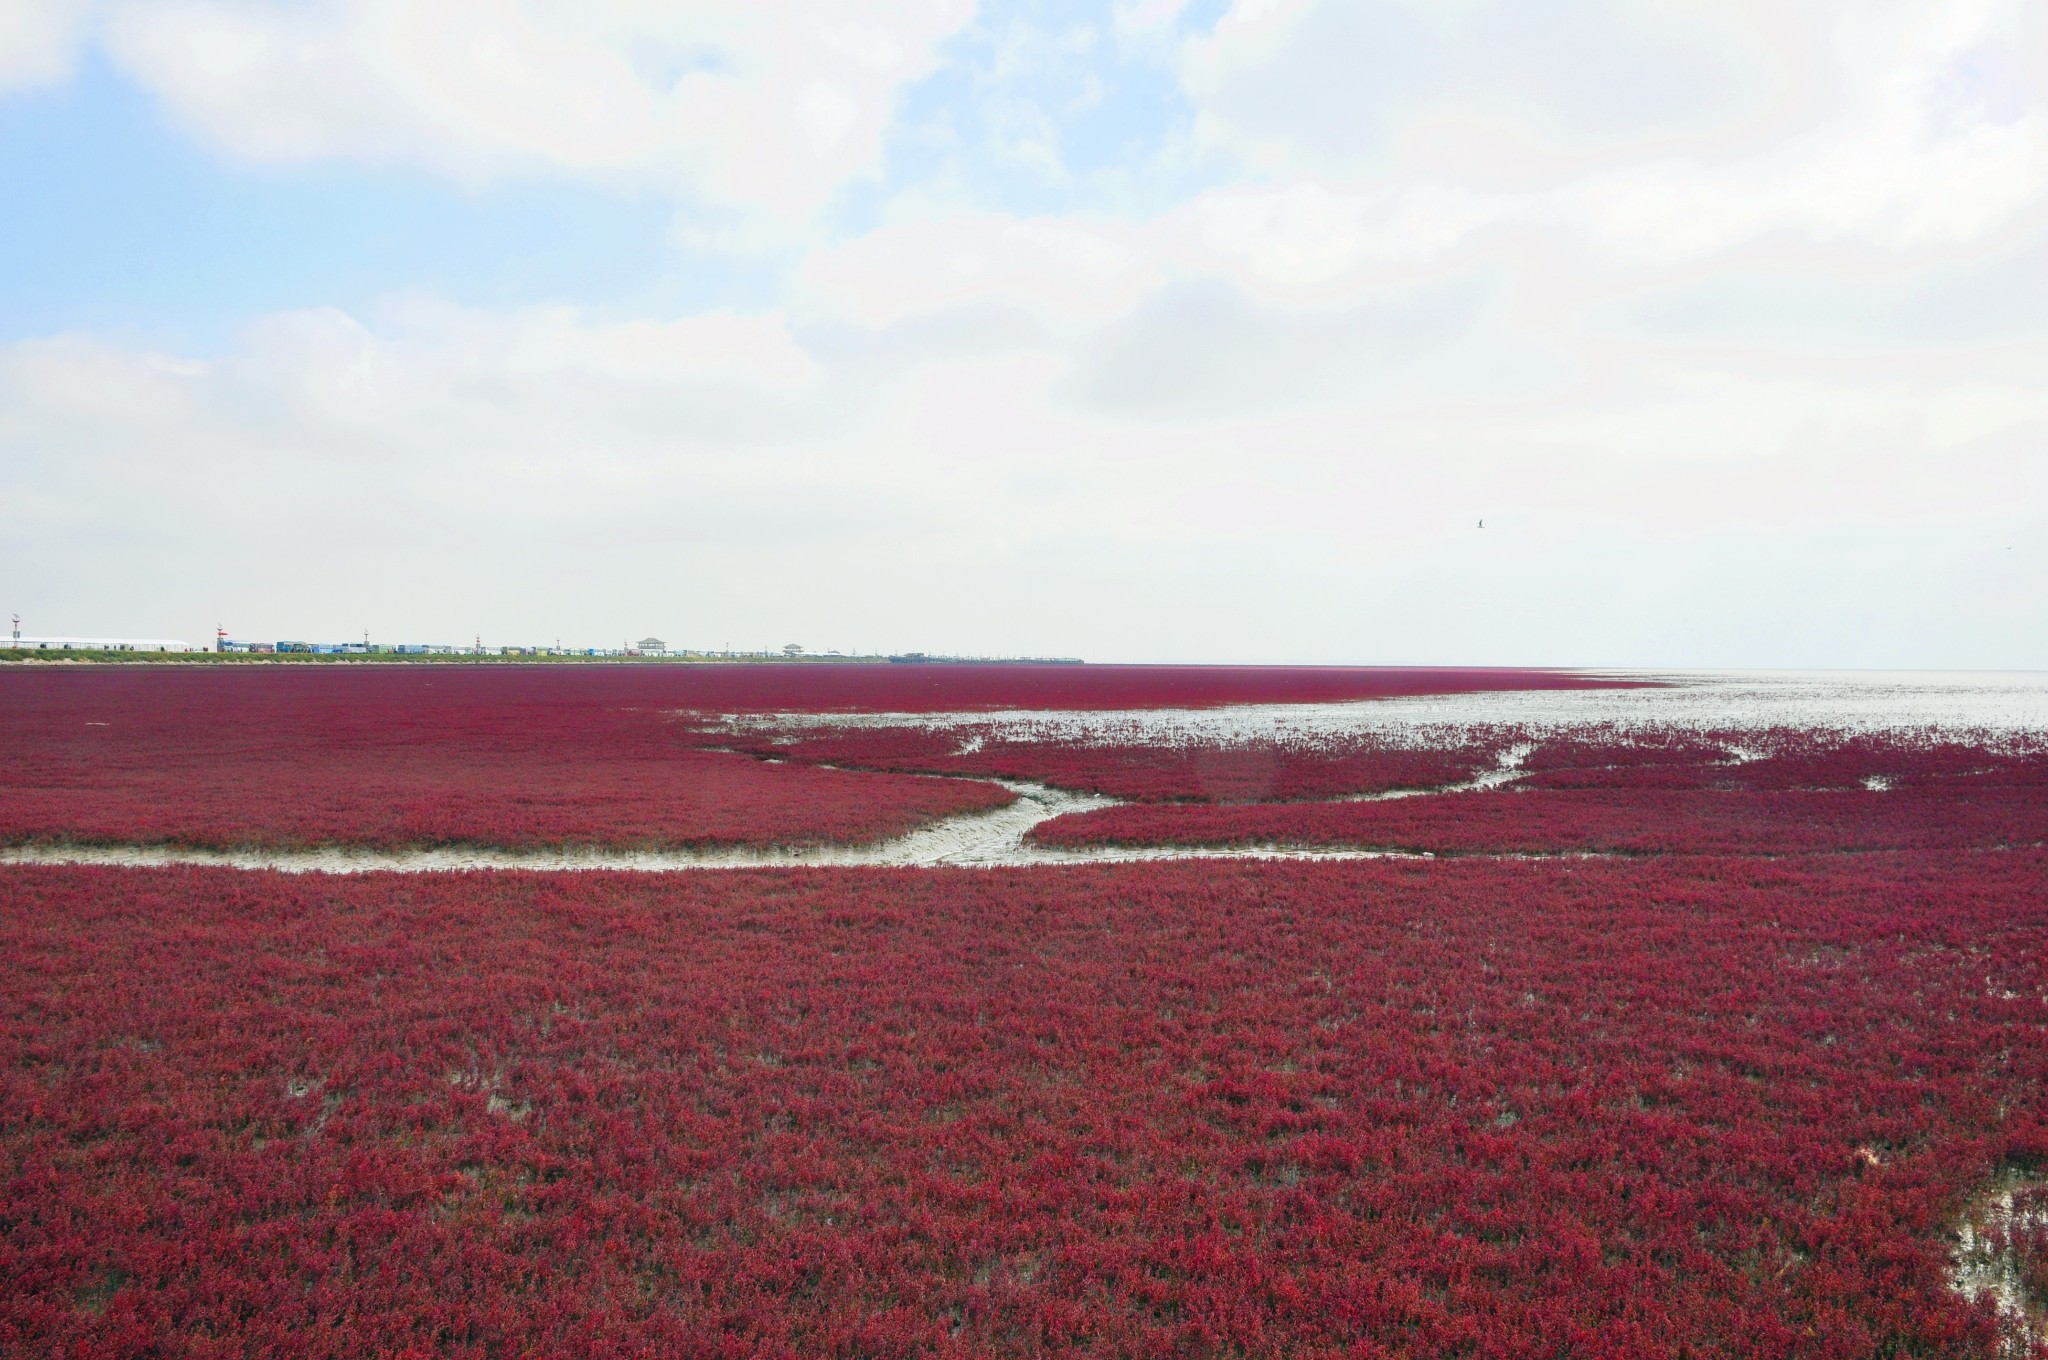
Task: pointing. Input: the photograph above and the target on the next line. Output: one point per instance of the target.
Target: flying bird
(1482, 524)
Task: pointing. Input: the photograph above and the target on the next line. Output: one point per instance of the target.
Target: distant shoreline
(25, 656)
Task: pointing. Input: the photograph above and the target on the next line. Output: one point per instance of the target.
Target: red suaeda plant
(410, 755)
(1253, 770)
(395, 757)
(957, 687)
(1656, 821)
(1706, 1107)
(1716, 1098)
(1779, 760)
(769, 688)
(1638, 798)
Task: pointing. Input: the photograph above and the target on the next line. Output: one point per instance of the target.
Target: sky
(1143, 330)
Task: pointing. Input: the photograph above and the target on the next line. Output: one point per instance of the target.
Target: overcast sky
(1142, 330)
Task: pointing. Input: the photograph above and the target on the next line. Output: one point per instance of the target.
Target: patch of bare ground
(2001, 1257)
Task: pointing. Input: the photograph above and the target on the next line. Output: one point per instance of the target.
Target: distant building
(651, 647)
(100, 644)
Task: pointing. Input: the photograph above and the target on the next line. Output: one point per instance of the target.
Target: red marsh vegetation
(1698, 1107)
(1786, 793)
(1714, 1096)
(524, 757)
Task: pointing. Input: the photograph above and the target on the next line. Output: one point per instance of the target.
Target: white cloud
(1339, 84)
(1146, 21)
(1740, 303)
(1871, 145)
(1665, 132)
(1110, 486)
(765, 105)
(1056, 267)
(40, 40)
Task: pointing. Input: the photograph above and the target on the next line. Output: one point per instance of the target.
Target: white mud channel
(1507, 769)
(998, 838)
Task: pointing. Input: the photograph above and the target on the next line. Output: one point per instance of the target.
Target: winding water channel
(995, 838)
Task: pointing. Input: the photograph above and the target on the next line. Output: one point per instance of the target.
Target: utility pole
(17, 630)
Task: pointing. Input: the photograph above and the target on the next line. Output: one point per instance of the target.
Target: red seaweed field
(1487, 1109)
(1238, 772)
(1586, 796)
(392, 756)
(1701, 1043)
(1603, 821)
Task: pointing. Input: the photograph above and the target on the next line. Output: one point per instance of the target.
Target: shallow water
(1953, 704)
